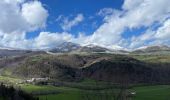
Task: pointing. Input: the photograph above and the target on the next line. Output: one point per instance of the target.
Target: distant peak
(154, 46)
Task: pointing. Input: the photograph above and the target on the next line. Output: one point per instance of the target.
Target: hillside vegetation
(106, 67)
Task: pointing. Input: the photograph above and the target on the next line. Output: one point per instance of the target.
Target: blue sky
(114, 24)
(88, 8)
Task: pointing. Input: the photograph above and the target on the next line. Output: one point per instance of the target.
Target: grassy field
(160, 92)
(33, 88)
(64, 93)
(153, 58)
(6, 79)
(62, 96)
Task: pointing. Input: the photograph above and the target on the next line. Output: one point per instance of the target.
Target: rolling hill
(74, 67)
(161, 49)
(101, 65)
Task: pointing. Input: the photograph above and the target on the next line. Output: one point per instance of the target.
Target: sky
(114, 24)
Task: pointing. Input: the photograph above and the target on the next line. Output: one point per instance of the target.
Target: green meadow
(158, 92)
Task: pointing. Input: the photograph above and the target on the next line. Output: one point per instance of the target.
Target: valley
(88, 76)
(84, 49)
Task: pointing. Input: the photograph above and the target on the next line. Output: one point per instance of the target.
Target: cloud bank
(18, 17)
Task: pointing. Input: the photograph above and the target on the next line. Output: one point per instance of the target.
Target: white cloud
(44, 41)
(105, 11)
(47, 40)
(11, 20)
(34, 14)
(18, 16)
(14, 40)
(135, 14)
(164, 31)
(131, 4)
(59, 18)
(153, 37)
(147, 12)
(141, 40)
(68, 24)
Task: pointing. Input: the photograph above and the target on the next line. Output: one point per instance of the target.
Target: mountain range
(160, 49)
(76, 62)
(69, 47)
